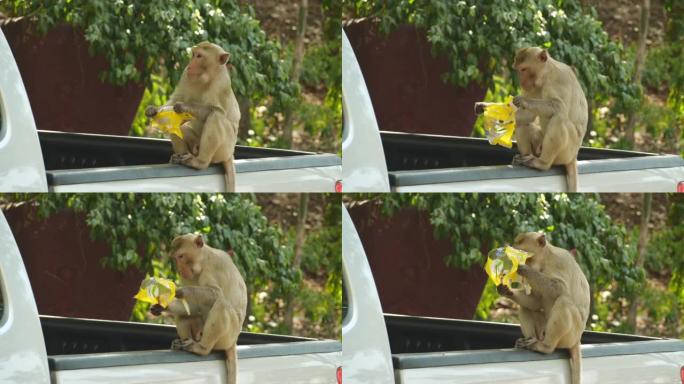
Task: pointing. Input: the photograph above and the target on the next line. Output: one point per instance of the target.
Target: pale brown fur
(552, 92)
(205, 91)
(554, 314)
(216, 295)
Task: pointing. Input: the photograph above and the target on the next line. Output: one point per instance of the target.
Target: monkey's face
(198, 63)
(532, 242)
(529, 62)
(207, 60)
(186, 251)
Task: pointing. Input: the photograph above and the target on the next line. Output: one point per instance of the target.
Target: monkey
(554, 314)
(551, 91)
(205, 91)
(211, 303)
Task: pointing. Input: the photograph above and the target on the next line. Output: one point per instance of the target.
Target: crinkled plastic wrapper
(502, 267)
(157, 290)
(499, 122)
(168, 121)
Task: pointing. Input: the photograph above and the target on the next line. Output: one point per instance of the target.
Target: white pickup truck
(38, 161)
(382, 161)
(47, 349)
(386, 349)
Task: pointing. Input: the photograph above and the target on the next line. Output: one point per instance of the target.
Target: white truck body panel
(307, 180)
(23, 358)
(637, 369)
(21, 160)
(363, 161)
(366, 354)
(651, 180)
(302, 369)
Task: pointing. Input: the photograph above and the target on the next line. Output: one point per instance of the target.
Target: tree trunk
(296, 67)
(641, 253)
(299, 243)
(639, 64)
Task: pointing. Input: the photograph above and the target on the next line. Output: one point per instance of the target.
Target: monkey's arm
(540, 107)
(526, 301)
(193, 300)
(547, 286)
(200, 111)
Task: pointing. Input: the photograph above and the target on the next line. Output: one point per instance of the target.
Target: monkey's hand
(156, 309)
(151, 111)
(524, 270)
(179, 108)
(520, 101)
(479, 108)
(504, 291)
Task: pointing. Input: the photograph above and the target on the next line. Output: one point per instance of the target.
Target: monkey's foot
(525, 342)
(195, 150)
(181, 344)
(517, 160)
(177, 158)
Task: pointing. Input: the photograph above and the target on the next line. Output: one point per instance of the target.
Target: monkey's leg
(211, 139)
(559, 323)
(189, 329)
(532, 326)
(541, 284)
(215, 327)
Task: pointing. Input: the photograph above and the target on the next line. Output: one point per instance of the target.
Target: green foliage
(476, 223)
(141, 38)
(138, 227)
(481, 37)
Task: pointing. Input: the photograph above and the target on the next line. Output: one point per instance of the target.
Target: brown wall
(63, 84)
(405, 82)
(64, 268)
(408, 266)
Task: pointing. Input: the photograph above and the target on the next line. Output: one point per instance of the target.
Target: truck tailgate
(656, 361)
(298, 362)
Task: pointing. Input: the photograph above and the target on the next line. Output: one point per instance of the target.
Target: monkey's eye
(523, 69)
(180, 257)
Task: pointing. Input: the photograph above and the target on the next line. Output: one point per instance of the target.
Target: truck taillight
(680, 187)
(338, 186)
(339, 375)
(681, 374)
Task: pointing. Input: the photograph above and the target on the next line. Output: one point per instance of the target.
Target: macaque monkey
(205, 91)
(555, 312)
(211, 304)
(552, 92)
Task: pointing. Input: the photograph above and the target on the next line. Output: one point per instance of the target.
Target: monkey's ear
(199, 241)
(541, 240)
(543, 55)
(224, 58)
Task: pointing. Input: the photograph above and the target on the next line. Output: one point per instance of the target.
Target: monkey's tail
(575, 364)
(229, 172)
(571, 175)
(231, 365)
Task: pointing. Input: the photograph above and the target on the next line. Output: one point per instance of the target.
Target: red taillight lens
(681, 374)
(339, 375)
(680, 187)
(338, 186)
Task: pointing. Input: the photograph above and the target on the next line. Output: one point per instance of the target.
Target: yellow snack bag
(502, 266)
(166, 120)
(157, 290)
(499, 122)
